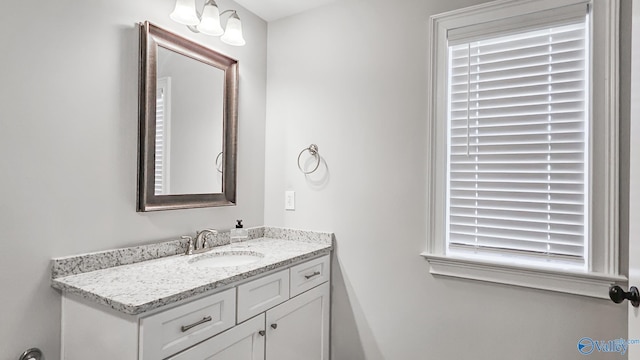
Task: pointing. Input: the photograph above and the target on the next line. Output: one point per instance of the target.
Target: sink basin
(226, 259)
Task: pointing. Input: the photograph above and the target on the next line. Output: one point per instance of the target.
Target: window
(517, 130)
(524, 144)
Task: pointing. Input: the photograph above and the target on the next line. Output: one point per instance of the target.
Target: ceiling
(271, 10)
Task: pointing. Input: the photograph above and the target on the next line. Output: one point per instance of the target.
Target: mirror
(191, 92)
(188, 123)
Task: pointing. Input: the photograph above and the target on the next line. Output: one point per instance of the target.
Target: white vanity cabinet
(283, 315)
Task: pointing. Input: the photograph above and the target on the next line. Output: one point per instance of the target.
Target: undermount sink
(226, 259)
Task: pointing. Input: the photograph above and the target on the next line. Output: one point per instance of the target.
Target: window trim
(603, 259)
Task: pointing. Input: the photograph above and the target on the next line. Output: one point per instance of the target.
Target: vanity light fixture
(208, 22)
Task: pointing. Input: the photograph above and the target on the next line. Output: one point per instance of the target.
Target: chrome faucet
(201, 243)
(203, 238)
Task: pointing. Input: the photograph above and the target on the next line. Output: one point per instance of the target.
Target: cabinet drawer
(259, 295)
(174, 330)
(245, 341)
(308, 275)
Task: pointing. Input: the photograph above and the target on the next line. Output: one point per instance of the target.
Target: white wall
(68, 142)
(351, 77)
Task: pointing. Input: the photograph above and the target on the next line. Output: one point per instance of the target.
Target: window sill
(587, 284)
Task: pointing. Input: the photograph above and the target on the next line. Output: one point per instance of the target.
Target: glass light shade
(233, 32)
(210, 23)
(185, 12)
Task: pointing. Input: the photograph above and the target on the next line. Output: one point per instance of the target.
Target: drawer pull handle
(274, 326)
(186, 328)
(262, 332)
(312, 275)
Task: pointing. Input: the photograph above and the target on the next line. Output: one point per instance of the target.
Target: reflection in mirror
(188, 123)
(189, 104)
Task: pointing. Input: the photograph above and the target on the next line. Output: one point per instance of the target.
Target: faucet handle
(189, 244)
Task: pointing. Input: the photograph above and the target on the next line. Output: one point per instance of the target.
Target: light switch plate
(289, 200)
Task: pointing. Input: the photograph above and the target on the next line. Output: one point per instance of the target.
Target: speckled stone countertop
(151, 278)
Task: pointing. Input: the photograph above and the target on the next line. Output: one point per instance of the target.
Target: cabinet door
(242, 342)
(299, 328)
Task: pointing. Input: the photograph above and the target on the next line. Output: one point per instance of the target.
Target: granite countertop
(147, 284)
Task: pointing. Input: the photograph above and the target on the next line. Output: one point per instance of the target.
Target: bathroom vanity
(272, 303)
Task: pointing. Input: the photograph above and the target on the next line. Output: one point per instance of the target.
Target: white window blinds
(159, 151)
(163, 121)
(518, 142)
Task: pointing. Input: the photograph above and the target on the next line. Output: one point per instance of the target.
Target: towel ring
(32, 354)
(313, 150)
(218, 166)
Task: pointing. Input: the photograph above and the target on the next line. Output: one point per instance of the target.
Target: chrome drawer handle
(187, 327)
(312, 275)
